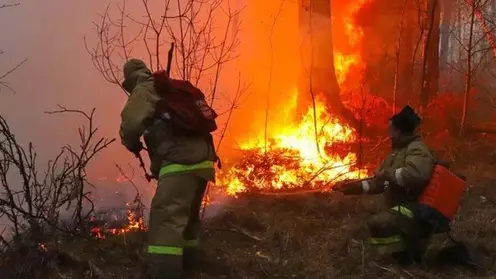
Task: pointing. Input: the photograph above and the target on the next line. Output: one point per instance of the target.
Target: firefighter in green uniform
(183, 166)
(402, 176)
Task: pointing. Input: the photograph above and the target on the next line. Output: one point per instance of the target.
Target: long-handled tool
(148, 176)
(169, 59)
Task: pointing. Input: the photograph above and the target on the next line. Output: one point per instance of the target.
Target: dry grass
(311, 236)
(306, 236)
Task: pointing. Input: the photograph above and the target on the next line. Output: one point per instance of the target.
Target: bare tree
(44, 206)
(469, 38)
(40, 204)
(447, 8)
(205, 33)
(62, 189)
(430, 66)
(469, 79)
(485, 24)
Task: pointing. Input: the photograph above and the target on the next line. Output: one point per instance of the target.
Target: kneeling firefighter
(182, 157)
(405, 178)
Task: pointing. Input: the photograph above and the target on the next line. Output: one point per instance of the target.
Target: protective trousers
(175, 221)
(397, 231)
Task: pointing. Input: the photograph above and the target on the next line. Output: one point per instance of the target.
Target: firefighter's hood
(135, 71)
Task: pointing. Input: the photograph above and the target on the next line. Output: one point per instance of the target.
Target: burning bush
(310, 154)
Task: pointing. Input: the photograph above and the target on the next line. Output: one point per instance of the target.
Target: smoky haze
(59, 70)
(50, 34)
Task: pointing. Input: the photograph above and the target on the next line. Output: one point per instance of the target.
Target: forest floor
(308, 236)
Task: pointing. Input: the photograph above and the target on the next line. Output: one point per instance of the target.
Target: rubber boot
(192, 259)
(419, 249)
(404, 258)
(196, 260)
(164, 267)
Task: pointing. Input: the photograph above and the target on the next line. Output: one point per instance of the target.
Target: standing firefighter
(402, 177)
(168, 114)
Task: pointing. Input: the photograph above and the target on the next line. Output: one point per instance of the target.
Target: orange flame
(312, 163)
(300, 157)
(344, 61)
(134, 223)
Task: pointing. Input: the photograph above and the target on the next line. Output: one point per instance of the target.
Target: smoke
(59, 71)
(216, 207)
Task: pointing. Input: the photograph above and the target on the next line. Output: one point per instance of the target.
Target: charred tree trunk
(430, 69)
(318, 77)
(468, 76)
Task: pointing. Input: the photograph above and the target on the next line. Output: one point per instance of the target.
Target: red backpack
(184, 106)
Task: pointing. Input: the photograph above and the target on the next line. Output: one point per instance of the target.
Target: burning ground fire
(313, 152)
(115, 224)
(295, 158)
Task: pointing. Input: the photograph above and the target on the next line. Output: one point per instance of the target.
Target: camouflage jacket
(138, 119)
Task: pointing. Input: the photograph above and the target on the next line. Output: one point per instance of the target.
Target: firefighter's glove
(136, 149)
(349, 187)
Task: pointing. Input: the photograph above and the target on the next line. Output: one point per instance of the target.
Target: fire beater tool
(148, 176)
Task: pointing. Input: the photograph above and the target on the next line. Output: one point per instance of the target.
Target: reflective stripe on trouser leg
(385, 235)
(416, 234)
(403, 210)
(385, 240)
(387, 245)
(165, 250)
(169, 215)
